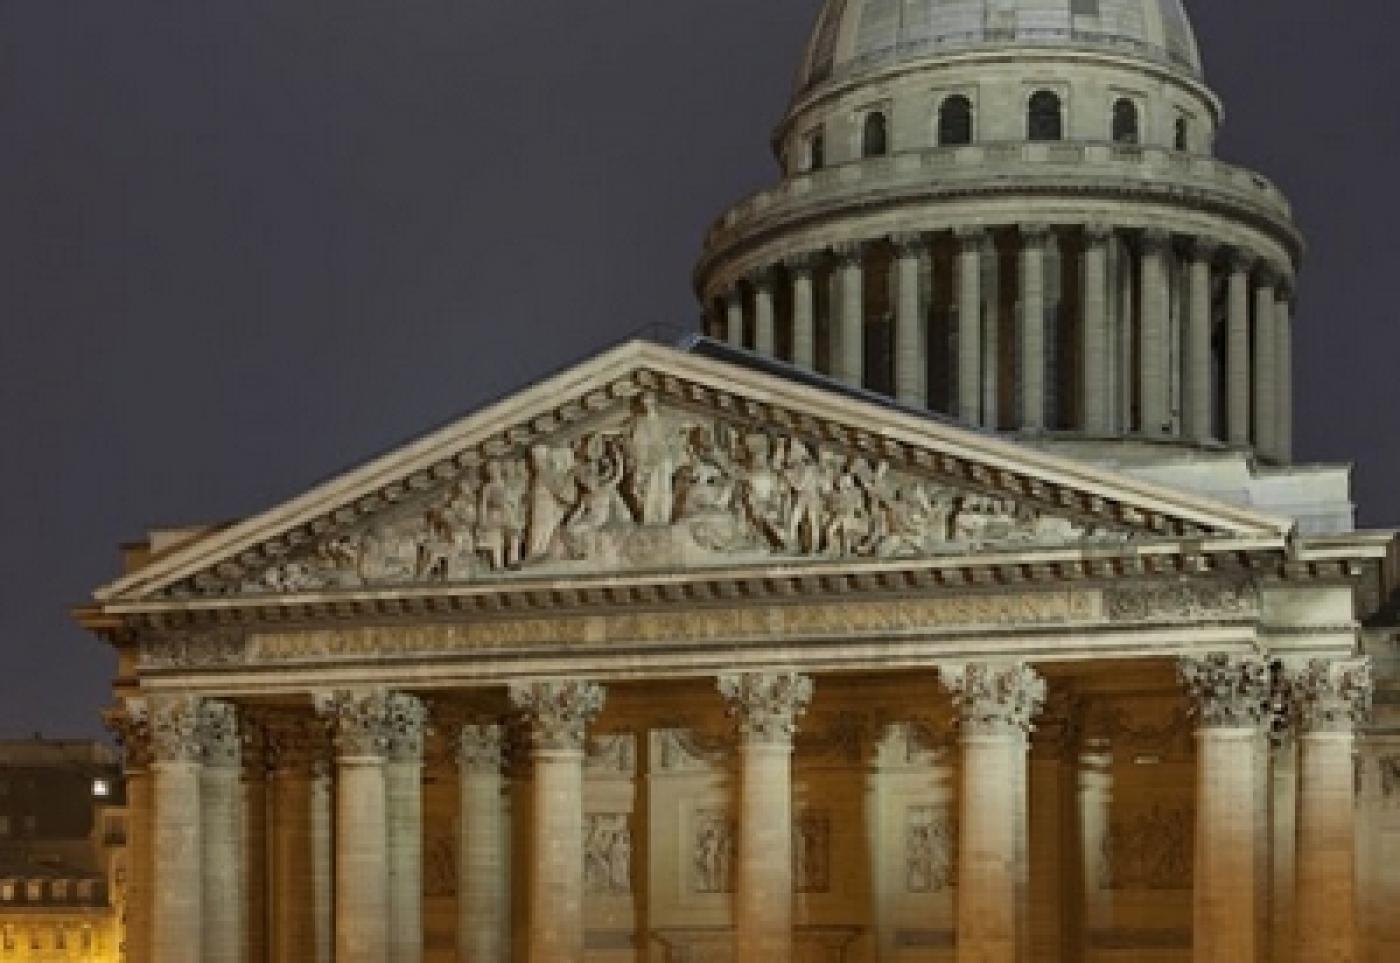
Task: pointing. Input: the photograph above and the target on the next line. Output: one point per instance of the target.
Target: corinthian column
(765, 707)
(1032, 347)
(804, 313)
(1231, 699)
(969, 408)
(1328, 700)
(909, 359)
(403, 785)
(359, 723)
(557, 714)
(481, 853)
(221, 830)
(129, 720)
(997, 705)
(177, 906)
(850, 321)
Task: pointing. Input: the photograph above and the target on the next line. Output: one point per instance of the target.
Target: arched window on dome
(875, 138)
(954, 121)
(1043, 120)
(1125, 122)
(1183, 134)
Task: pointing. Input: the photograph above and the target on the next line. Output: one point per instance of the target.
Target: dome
(855, 37)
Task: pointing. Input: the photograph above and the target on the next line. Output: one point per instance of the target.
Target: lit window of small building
(34, 891)
(101, 788)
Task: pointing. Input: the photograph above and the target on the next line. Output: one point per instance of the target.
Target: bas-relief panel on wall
(930, 849)
(607, 854)
(645, 486)
(1148, 849)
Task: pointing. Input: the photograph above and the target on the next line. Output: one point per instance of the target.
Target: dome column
(734, 317)
(969, 407)
(1283, 376)
(1032, 346)
(909, 361)
(1096, 356)
(804, 334)
(1154, 378)
(1200, 424)
(850, 320)
(765, 336)
(1237, 351)
(1265, 363)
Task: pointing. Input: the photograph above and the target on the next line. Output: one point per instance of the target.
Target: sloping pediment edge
(624, 398)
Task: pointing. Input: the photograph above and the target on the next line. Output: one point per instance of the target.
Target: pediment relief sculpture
(647, 487)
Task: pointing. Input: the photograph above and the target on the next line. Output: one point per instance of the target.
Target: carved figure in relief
(929, 847)
(764, 493)
(713, 858)
(553, 494)
(653, 445)
(607, 854)
(805, 481)
(501, 521)
(447, 545)
(811, 852)
(848, 523)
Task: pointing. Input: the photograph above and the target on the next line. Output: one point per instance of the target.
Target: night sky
(246, 245)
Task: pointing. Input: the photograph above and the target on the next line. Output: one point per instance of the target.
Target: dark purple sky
(245, 245)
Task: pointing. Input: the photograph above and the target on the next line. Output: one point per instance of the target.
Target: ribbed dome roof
(854, 37)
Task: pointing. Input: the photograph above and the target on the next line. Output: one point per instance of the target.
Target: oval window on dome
(955, 121)
(1044, 120)
(1125, 122)
(875, 141)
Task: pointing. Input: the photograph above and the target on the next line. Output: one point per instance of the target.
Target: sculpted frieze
(644, 486)
(1172, 600)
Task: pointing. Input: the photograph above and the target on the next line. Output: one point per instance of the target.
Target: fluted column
(1231, 700)
(804, 315)
(481, 846)
(910, 364)
(1265, 363)
(221, 833)
(299, 756)
(129, 720)
(177, 907)
(996, 705)
(734, 316)
(765, 707)
(1283, 376)
(359, 721)
(1237, 352)
(1097, 353)
(1327, 699)
(850, 319)
(1154, 376)
(1032, 347)
(1200, 425)
(403, 786)
(557, 714)
(765, 334)
(969, 408)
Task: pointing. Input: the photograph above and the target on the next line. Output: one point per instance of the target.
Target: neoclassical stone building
(957, 598)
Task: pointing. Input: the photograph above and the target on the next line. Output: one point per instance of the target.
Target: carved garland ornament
(643, 485)
(765, 706)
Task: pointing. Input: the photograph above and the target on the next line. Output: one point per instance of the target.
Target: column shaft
(1283, 376)
(1200, 423)
(1032, 347)
(481, 854)
(765, 334)
(1096, 350)
(734, 317)
(804, 335)
(969, 408)
(910, 363)
(1265, 367)
(1325, 905)
(763, 909)
(361, 878)
(404, 789)
(222, 864)
(1237, 355)
(177, 906)
(850, 360)
(1154, 375)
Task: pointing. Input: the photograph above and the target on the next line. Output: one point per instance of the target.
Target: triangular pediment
(650, 459)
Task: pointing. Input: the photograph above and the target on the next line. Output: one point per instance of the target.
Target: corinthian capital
(995, 699)
(1330, 696)
(406, 725)
(358, 720)
(557, 712)
(765, 705)
(129, 721)
(175, 729)
(219, 734)
(480, 746)
(1228, 691)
